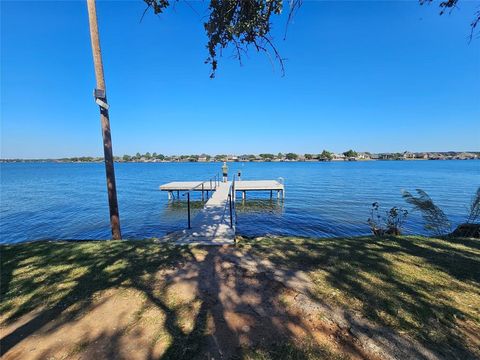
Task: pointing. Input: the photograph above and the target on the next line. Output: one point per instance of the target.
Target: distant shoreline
(324, 156)
(100, 161)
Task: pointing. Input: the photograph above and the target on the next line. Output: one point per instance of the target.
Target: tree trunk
(105, 122)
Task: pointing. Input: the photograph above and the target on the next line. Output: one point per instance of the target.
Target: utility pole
(101, 100)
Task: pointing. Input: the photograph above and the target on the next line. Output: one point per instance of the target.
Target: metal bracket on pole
(99, 95)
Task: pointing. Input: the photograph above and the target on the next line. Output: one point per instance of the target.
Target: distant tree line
(325, 155)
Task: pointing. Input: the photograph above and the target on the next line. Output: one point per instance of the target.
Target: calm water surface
(69, 201)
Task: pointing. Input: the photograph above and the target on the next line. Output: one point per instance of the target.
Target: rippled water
(69, 201)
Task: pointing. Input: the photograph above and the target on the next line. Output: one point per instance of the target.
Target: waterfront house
(421, 155)
(465, 156)
(408, 155)
(363, 156)
(338, 157)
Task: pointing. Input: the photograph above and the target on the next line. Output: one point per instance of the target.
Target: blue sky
(372, 76)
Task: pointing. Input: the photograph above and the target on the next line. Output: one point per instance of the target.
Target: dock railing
(214, 181)
(231, 203)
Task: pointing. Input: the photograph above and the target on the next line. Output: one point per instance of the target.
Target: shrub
(435, 219)
(474, 214)
(391, 224)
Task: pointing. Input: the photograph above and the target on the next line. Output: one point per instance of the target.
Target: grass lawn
(428, 289)
(142, 299)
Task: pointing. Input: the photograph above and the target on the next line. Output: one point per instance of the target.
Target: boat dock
(205, 187)
(215, 223)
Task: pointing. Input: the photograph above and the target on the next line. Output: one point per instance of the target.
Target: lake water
(69, 201)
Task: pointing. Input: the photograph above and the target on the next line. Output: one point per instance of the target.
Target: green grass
(428, 289)
(59, 282)
(46, 274)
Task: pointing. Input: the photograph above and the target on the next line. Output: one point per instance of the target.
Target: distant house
(436, 156)
(338, 157)
(408, 155)
(202, 159)
(421, 155)
(465, 156)
(246, 157)
(363, 156)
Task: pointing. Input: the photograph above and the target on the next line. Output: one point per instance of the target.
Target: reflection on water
(181, 205)
(260, 206)
(177, 208)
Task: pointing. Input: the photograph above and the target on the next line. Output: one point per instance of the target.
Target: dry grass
(105, 299)
(100, 299)
(425, 288)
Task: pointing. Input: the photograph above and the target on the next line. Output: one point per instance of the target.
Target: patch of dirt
(214, 307)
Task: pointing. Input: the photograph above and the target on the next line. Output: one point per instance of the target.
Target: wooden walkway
(211, 226)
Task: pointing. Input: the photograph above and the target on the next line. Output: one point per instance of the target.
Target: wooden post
(105, 122)
(202, 193)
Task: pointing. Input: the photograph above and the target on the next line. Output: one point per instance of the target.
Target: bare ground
(222, 303)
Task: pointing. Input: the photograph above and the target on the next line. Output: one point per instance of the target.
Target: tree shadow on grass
(74, 272)
(426, 288)
(56, 284)
(413, 285)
